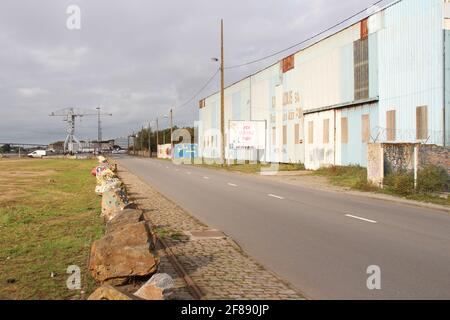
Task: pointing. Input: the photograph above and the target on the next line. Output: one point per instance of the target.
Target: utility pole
(222, 96)
(157, 138)
(171, 131)
(141, 138)
(149, 141)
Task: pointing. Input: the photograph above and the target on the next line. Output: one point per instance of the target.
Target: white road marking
(275, 196)
(189, 172)
(206, 178)
(359, 218)
(232, 184)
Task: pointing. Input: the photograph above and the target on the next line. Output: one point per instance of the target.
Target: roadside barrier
(127, 250)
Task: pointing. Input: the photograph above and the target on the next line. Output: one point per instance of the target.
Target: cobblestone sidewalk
(217, 265)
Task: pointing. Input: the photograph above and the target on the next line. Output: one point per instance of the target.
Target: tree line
(142, 137)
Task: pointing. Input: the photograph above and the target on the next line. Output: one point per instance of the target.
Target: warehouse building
(385, 78)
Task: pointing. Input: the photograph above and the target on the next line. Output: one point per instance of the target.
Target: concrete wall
(375, 164)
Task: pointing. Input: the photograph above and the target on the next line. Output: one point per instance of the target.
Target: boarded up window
(364, 29)
(274, 135)
(310, 132)
(326, 131)
(361, 68)
(297, 133)
(365, 128)
(422, 123)
(344, 130)
(288, 63)
(390, 125)
(284, 135)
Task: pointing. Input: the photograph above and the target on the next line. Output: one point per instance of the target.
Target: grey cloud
(135, 58)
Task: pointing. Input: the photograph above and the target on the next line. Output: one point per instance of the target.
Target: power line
(275, 53)
(306, 40)
(199, 91)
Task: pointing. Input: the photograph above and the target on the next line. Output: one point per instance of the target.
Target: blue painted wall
(355, 151)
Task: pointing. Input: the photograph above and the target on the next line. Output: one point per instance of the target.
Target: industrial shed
(383, 79)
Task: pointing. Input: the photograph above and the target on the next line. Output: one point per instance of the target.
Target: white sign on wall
(247, 134)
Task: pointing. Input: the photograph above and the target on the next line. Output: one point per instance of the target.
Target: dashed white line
(189, 172)
(206, 178)
(232, 184)
(275, 196)
(360, 218)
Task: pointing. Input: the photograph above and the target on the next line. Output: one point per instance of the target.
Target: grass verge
(355, 177)
(253, 167)
(49, 216)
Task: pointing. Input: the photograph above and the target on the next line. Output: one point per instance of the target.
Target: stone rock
(134, 234)
(114, 183)
(159, 287)
(124, 218)
(123, 254)
(108, 292)
(113, 201)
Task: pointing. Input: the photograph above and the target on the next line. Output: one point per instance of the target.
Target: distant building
(57, 146)
(385, 78)
(122, 142)
(86, 146)
(91, 146)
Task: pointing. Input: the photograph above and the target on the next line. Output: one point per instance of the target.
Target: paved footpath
(216, 264)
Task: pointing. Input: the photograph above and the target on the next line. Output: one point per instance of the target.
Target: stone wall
(398, 157)
(389, 158)
(434, 155)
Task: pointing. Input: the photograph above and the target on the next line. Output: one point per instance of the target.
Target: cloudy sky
(136, 58)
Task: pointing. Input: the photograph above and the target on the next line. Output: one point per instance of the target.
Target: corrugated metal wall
(447, 86)
(354, 151)
(405, 71)
(318, 151)
(410, 53)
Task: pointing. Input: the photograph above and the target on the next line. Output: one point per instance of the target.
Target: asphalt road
(322, 242)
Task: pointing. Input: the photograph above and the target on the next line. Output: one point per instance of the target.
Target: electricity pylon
(70, 115)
